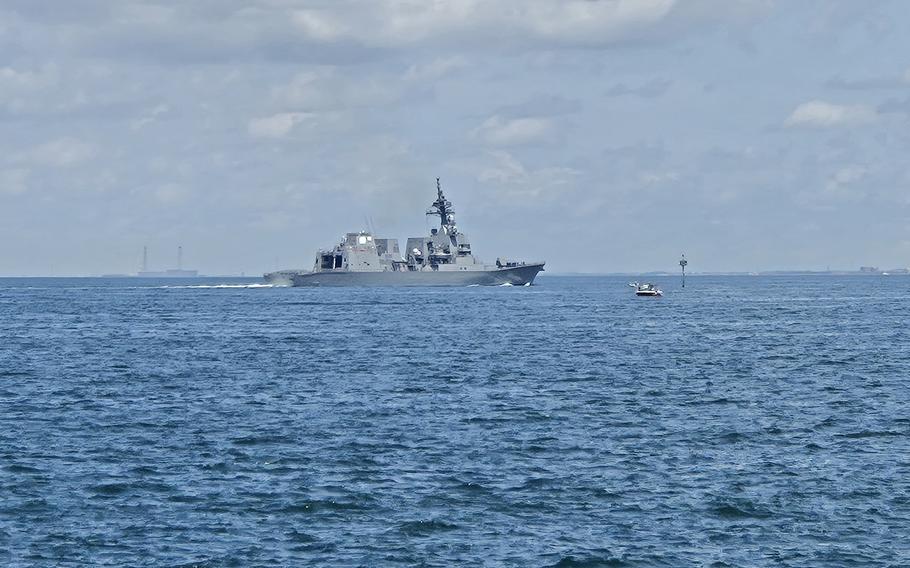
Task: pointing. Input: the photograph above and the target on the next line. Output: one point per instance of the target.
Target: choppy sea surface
(741, 421)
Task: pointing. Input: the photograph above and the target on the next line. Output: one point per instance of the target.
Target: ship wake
(219, 286)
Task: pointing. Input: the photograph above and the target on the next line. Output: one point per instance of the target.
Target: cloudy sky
(600, 136)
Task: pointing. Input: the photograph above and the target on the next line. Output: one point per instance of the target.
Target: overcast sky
(599, 136)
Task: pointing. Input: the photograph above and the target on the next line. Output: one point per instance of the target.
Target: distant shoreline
(898, 272)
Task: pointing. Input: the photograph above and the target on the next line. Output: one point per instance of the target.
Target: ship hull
(514, 275)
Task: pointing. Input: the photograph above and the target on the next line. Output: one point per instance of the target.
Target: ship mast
(443, 208)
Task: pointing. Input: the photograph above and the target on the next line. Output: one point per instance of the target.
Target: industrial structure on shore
(178, 272)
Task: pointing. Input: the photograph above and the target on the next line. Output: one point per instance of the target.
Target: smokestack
(179, 258)
(145, 258)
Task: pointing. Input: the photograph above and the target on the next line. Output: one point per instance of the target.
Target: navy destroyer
(443, 258)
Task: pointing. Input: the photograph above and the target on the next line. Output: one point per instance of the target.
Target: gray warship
(443, 258)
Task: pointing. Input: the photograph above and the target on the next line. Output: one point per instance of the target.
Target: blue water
(741, 421)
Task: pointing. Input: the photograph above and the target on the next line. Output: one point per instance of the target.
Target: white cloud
(506, 169)
(13, 79)
(392, 23)
(499, 131)
(823, 114)
(321, 25)
(336, 31)
(327, 88)
(846, 177)
(59, 153)
(875, 82)
(143, 13)
(149, 116)
(514, 177)
(277, 125)
(169, 193)
(656, 178)
(14, 181)
(19, 88)
(589, 20)
(437, 68)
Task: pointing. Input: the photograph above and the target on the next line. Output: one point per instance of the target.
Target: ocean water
(741, 421)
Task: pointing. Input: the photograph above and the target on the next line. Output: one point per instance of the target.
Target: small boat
(646, 289)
